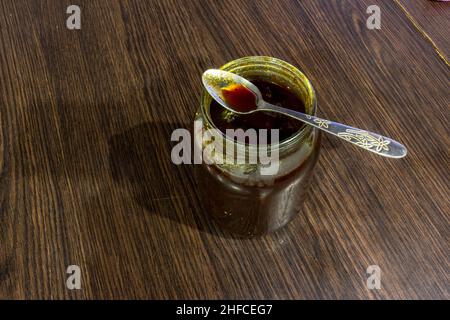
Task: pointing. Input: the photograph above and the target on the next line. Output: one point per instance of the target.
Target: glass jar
(238, 196)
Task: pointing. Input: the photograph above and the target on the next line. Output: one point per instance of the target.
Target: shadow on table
(140, 162)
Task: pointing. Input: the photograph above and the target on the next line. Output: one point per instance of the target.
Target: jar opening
(279, 73)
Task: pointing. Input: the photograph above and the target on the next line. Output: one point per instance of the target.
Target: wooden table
(85, 172)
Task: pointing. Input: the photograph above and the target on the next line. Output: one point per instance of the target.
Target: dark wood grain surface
(430, 18)
(85, 170)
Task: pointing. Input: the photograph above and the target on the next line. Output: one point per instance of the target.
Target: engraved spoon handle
(370, 141)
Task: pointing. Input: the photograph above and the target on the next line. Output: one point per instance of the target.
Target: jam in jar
(239, 196)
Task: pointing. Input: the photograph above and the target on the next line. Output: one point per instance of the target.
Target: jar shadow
(140, 163)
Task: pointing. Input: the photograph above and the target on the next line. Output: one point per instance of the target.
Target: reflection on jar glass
(241, 197)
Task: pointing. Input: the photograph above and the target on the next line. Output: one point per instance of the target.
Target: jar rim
(275, 62)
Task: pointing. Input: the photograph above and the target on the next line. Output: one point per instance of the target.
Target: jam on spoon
(241, 98)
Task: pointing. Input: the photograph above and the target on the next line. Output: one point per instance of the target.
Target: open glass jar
(241, 197)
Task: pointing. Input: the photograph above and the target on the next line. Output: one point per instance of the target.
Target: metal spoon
(215, 81)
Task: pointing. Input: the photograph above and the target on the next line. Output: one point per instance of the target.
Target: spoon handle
(370, 141)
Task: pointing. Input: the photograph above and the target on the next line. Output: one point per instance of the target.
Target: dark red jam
(240, 98)
(244, 100)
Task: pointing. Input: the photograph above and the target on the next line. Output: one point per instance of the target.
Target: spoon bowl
(216, 81)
